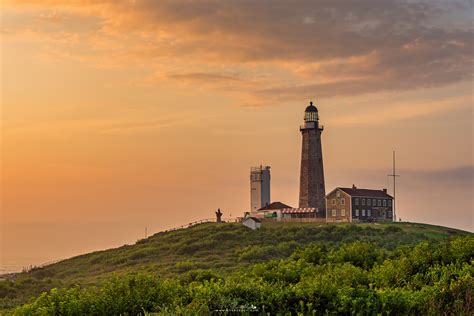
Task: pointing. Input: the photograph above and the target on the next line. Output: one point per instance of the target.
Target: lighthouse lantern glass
(311, 116)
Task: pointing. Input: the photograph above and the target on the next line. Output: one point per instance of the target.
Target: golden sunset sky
(118, 115)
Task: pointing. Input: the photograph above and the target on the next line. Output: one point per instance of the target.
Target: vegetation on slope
(226, 261)
(358, 277)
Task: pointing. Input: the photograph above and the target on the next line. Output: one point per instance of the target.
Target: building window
(363, 212)
(389, 214)
(363, 201)
(374, 202)
(357, 212)
(380, 203)
(368, 213)
(333, 201)
(368, 202)
(384, 202)
(338, 193)
(343, 202)
(334, 213)
(389, 202)
(343, 212)
(357, 201)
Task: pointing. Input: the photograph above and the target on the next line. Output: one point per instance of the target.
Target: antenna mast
(394, 175)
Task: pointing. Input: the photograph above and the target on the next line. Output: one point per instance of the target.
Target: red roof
(299, 210)
(274, 206)
(366, 193)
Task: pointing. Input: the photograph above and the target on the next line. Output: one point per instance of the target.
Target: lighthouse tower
(312, 190)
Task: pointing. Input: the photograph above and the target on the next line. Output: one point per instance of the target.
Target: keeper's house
(358, 205)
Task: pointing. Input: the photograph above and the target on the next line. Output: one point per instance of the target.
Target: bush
(424, 279)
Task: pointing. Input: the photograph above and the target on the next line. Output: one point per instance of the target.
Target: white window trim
(357, 212)
(363, 213)
(334, 213)
(343, 212)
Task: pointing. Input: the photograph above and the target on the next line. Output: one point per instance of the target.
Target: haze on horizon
(118, 115)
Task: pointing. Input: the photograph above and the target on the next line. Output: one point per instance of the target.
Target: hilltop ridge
(222, 248)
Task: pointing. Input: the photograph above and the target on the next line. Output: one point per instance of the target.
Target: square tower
(259, 187)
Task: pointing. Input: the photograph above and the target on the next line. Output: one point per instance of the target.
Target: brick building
(359, 205)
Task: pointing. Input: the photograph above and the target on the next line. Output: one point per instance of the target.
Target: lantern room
(311, 113)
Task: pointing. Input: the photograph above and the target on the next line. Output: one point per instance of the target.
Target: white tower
(259, 187)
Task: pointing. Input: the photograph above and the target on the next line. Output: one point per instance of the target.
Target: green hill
(219, 251)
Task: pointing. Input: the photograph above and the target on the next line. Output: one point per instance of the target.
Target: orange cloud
(394, 111)
(326, 48)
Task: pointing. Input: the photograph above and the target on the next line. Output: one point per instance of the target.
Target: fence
(34, 267)
(202, 221)
(298, 220)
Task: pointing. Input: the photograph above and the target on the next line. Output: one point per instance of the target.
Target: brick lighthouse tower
(312, 190)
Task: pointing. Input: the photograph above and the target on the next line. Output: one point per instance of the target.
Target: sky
(120, 115)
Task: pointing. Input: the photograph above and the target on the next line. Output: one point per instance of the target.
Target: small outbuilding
(270, 211)
(252, 222)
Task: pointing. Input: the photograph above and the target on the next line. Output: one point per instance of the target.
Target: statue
(218, 216)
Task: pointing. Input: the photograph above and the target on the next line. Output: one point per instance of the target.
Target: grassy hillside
(220, 249)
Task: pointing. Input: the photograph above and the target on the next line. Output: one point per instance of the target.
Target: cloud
(199, 77)
(462, 175)
(137, 127)
(326, 48)
(392, 112)
(128, 124)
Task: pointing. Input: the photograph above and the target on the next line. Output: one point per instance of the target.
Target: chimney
(354, 187)
(385, 191)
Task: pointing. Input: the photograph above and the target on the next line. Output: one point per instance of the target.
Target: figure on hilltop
(218, 216)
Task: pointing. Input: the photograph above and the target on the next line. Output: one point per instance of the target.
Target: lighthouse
(312, 189)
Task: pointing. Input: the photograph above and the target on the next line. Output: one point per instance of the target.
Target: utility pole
(394, 175)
